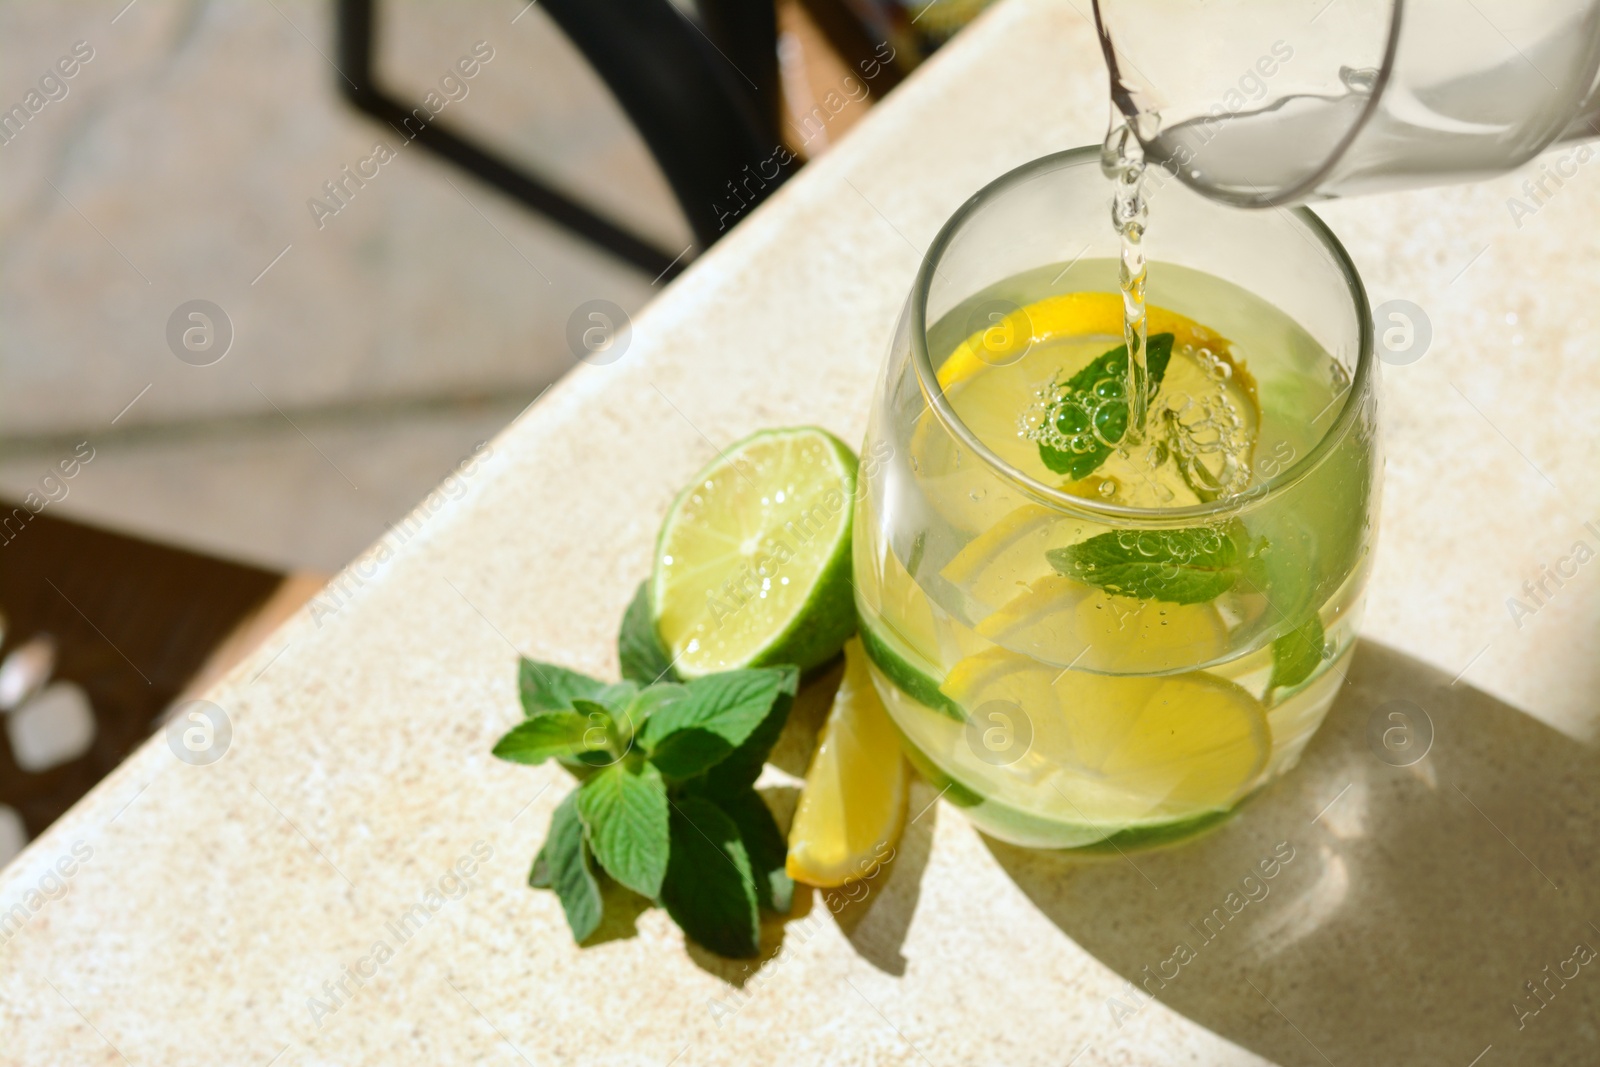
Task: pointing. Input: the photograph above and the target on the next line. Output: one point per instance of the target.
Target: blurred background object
(702, 93)
(102, 632)
(248, 325)
(916, 29)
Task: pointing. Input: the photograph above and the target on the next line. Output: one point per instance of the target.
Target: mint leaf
(615, 697)
(652, 699)
(1082, 410)
(1185, 566)
(539, 873)
(624, 811)
(1296, 654)
(566, 860)
(709, 889)
(765, 846)
(552, 733)
(609, 739)
(545, 687)
(606, 734)
(716, 715)
(644, 659)
(740, 768)
(686, 753)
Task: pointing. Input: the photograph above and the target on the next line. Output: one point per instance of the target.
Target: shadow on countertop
(1408, 908)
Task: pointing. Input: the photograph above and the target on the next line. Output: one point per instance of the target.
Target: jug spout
(1259, 104)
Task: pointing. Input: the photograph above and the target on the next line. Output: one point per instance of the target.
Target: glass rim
(1248, 499)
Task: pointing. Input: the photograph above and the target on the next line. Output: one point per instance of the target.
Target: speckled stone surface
(207, 906)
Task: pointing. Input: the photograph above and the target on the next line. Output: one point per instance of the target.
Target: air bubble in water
(1104, 417)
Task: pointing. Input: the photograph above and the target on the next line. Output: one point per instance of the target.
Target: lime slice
(912, 678)
(854, 801)
(753, 561)
(1124, 750)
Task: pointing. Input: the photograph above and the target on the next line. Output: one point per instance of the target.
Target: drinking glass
(1062, 713)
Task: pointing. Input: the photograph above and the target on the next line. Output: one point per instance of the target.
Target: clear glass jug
(1259, 103)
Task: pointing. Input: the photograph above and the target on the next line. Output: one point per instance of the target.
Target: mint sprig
(1080, 412)
(550, 691)
(1184, 566)
(764, 845)
(666, 804)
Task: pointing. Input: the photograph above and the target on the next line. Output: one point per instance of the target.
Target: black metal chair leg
(706, 110)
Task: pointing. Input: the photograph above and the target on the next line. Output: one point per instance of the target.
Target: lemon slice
(1061, 620)
(957, 483)
(753, 561)
(1000, 562)
(854, 800)
(1125, 750)
(1066, 315)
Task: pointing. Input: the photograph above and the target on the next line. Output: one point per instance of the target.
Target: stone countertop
(194, 913)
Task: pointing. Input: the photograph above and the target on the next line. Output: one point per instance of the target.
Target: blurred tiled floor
(369, 354)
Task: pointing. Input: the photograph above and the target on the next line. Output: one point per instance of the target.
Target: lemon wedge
(854, 801)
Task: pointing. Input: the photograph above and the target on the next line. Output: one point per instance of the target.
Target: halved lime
(753, 561)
